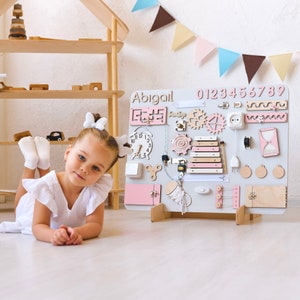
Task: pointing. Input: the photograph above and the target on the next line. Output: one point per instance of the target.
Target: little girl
(66, 207)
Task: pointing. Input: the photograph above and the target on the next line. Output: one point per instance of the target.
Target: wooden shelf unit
(116, 33)
(58, 94)
(11, 143)
(85, 46)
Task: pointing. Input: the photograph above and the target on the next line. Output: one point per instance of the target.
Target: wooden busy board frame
(208, 152)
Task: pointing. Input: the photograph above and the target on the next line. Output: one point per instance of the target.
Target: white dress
(47, 190)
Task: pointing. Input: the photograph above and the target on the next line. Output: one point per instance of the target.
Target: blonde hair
(104, 137)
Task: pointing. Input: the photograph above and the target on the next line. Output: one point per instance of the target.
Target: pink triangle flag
(203, 49)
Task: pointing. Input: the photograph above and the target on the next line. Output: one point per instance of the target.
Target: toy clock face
(141, 144)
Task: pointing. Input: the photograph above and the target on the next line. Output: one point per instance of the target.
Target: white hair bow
(90, 122)
(123, 150)
(100, 124)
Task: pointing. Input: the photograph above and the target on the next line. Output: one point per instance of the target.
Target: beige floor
(174, 259)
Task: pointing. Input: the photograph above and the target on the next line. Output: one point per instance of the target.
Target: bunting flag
(182, 36)
(162, 18)
(226, 59)
(281, 63)
(142, 4)
(252, 64)
(203, 49)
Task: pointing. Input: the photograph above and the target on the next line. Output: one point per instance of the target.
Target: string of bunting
(227, 58)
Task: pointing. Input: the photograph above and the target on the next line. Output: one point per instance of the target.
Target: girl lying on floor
(65, 208)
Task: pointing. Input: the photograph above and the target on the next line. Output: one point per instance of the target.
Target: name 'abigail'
(155, 99)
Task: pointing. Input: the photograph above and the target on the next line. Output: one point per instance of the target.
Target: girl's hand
(74, 238)
(60, 236)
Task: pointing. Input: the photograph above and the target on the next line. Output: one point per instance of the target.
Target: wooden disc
(261, 171)
(278, 172)
(245, 171)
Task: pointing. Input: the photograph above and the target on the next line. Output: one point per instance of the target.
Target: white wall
(147, 61)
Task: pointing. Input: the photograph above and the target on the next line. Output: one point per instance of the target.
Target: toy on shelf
(53, 136)
(17, 29)
(35, 86)
(4, 87)
(19, 135)
(93, 86)
(56, 136)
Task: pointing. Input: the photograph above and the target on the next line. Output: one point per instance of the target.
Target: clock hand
(139, 150)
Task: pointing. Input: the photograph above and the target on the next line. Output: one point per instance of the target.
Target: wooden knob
(278, 172)
(245, 171)
(261, 171)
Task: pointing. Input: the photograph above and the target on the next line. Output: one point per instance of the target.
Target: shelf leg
(112, 84)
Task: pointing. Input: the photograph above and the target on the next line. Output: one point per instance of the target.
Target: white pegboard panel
(209, 149)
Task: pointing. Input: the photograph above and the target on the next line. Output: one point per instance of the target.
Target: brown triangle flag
(162, 18)
(252, 64)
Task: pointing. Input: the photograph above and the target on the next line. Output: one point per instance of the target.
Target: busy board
(209, 150)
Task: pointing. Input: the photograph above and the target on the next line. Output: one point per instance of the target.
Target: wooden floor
(173, 259)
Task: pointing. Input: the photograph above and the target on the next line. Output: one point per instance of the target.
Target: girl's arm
(41, 226)
(65, 235)
(94, 223)
(91, 229)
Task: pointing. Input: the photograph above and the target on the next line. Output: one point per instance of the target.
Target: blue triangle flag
(142, 4)
(226, 59)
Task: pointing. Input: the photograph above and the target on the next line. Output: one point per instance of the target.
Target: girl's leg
(27, 173)
(28, 149)
(43, 150)
(36, 153)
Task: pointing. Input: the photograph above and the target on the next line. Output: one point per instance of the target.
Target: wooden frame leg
(158, 213)
(243, 217)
